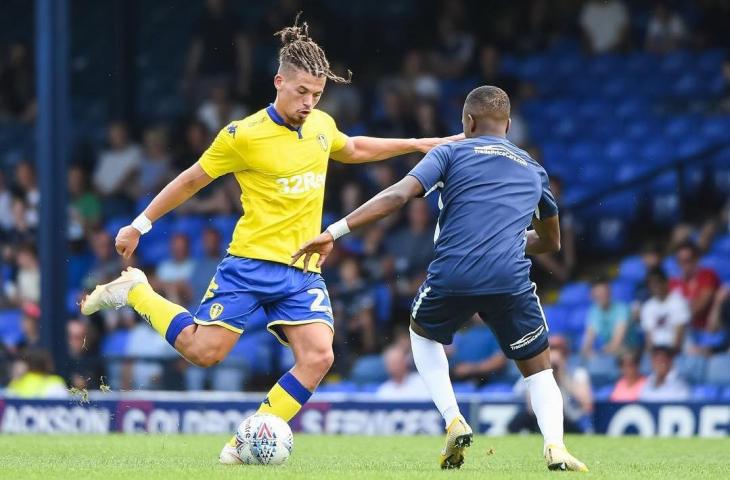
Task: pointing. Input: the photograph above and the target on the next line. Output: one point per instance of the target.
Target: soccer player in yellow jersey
(279, 157)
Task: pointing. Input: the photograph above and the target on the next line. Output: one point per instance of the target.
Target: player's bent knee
(207, 358)
(319, 360)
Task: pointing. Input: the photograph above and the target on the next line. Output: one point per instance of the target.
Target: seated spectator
(666, 30)
(37, 379)
(106, 264)
(557, 268)
(115, 168)
(30, 325)
(17, 84)
(575, 386)
(6, 207)
(176, 272)
(205, 267)
(85, 204)
(664, 384)
(26, 185)
(665, 315)
(696, 284)
(26, 288)
(605, 25)
(719, 317)
(475, 353)
(403, 383)
(629, 386)
(607, 322)
(353, 304)
(218, 110)
(84, 369)
(651, 257)
(155, 171)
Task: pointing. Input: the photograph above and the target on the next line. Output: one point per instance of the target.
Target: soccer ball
(264, 439)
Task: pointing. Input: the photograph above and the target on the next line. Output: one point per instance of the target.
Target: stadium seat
(603, 394)
(464, 387)
(691, 367)
(341, 387)
(623, 290)
(602, 369)
(670, 266)
(369, 369)
(557, 318)
(498, 391)
(725, 396)
(11, 332)
(632, 269)
(115, 344)
(254, 350)
(718, 369)
(705, 393)
(575, 293)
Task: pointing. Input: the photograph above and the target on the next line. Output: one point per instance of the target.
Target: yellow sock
(286, 398)
(167, 318)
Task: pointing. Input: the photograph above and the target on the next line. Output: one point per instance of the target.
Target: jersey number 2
(320, 296)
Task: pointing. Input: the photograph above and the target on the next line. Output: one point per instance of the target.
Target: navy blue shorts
(517, 320)
(247, 292)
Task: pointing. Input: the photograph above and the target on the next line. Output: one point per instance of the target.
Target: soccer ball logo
(264, 439)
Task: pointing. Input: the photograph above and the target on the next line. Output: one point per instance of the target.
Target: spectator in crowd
(428, 121)
(412, 250)
(85, 204)
(607, 322)
(664, 384)
(664, 317)
(551, 268)
(115, 168)
(30, 325)
(17, 84)
(575, 386)
(106, 265)
(490, 72)
(27, 188)
(455, 47)
(6, 207)
(605, 25)
(176, 272)
(353, 304)
(206, 266)
(403, 383)
(84, 369)
(218, 110)
(630, 384)
(394, 120)
(415, 80)
(696, 284)
(719, 317)
(651, 257)
(475, 354)
(666, 30)
(22, 231)
(220, 52)
(155, 171)
(27, 285)
(37, 379)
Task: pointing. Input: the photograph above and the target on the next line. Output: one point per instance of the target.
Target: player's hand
(127, 241)
(424, 145)
(322, 245)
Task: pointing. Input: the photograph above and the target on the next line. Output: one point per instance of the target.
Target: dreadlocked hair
(300, 51)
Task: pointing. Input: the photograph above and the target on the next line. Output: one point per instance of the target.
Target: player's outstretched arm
(380, 206)
(545, 238)
(184, 186)
(373, 149)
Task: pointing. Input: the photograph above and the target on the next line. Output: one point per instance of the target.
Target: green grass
(329, 457)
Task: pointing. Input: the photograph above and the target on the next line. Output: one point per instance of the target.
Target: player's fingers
(296, 257)
(121, 248)
(322, 258)
(307, 257)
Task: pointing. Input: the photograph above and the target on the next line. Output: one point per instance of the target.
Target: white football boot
(229, 454)
(113, 294)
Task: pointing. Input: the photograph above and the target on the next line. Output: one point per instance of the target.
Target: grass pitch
(181, 457)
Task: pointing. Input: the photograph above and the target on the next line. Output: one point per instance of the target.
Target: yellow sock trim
(278, 402)
(153, 307)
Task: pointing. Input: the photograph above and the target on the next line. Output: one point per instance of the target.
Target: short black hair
(488, 101)
(662, 349)
(600, 280)
(689, 244)
(658, 273)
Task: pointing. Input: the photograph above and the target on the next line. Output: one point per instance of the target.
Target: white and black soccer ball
(264, 439)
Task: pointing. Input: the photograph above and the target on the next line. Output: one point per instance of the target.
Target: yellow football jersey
(281, 171)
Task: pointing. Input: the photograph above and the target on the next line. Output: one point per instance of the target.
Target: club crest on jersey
(215, 310)
(322, 141)
(231, 129)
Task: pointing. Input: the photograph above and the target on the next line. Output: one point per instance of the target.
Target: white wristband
(142, 224)
(338, 229)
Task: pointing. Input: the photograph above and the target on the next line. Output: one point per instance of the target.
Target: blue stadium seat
(691, 367)
(575, 293)
(603, 369)
(255, 350)
(474, 344)
(632, 269)
(609, 234)
(464, 387)
(725, 396)
(705, 393)
(623, 290)
(383, 302)
(498, 391)
(343, 387)
(718, 369)
(115, 344)
(369, 369)
(670, 266)
(11, 332)
(603, 394)
(557, 318)
(721, 245)
(225, 224)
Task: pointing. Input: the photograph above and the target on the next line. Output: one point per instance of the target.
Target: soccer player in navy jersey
(490, 193)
